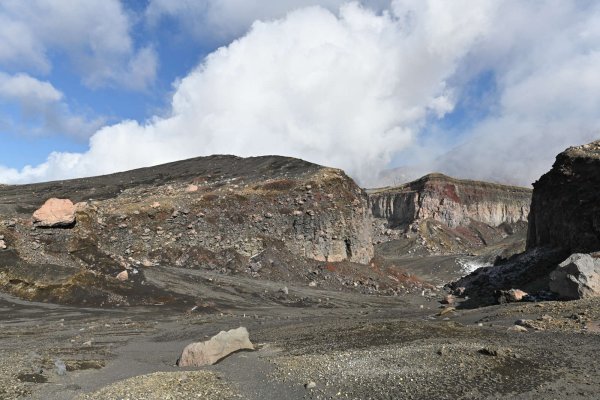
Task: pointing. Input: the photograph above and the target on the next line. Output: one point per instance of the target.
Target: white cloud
(546, 58)
(219, 21)
(27, 90)
(94, 34)
(42, 108)
(345, 90)
(354, 88)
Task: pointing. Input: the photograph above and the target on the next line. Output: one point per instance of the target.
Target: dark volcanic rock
(564, 218)
(565, 209)
(529, 271)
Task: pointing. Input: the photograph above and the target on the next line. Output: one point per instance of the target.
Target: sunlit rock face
(452, 202)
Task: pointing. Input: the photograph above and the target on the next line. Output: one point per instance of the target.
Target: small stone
(123, 276)
(312, 284)
(449, 299)
(527, 323)
(517, 328)
(191, 188)
(284, 290)
(446, 310)
(156, 204)
(2, 245)
(494, 351)
(510, 296)
(61, 368)
(310, 385)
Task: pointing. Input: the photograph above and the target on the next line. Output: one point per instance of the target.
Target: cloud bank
(355, 88)
(343, 90)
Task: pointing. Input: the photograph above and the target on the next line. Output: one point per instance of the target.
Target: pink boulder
(55, 213)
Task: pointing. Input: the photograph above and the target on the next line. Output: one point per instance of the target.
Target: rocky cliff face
(266, 216)
(451, 216)
(453, 202)
(565, 209)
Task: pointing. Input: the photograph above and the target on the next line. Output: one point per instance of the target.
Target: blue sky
(464, 88)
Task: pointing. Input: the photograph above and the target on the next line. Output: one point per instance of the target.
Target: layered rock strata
(443, 215)
(453, 202)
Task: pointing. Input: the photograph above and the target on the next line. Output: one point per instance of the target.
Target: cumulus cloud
(223, 20)
(357, 87)
(94, 34)
(42, 108)
(344, 90)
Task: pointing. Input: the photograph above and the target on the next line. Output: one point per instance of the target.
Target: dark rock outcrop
(565, 209)
(564, 219)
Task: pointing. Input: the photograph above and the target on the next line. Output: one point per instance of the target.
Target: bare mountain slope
(267, 217)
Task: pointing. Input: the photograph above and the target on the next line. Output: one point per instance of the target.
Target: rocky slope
(564, 219)
(450, 215)
(269, 217)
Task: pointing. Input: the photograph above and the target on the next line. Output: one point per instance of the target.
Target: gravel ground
(371, 348)
(167, 386)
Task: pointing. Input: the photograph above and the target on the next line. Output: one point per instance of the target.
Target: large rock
(578, 277)
(565, 209)
(55, 213)
(218, 347)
